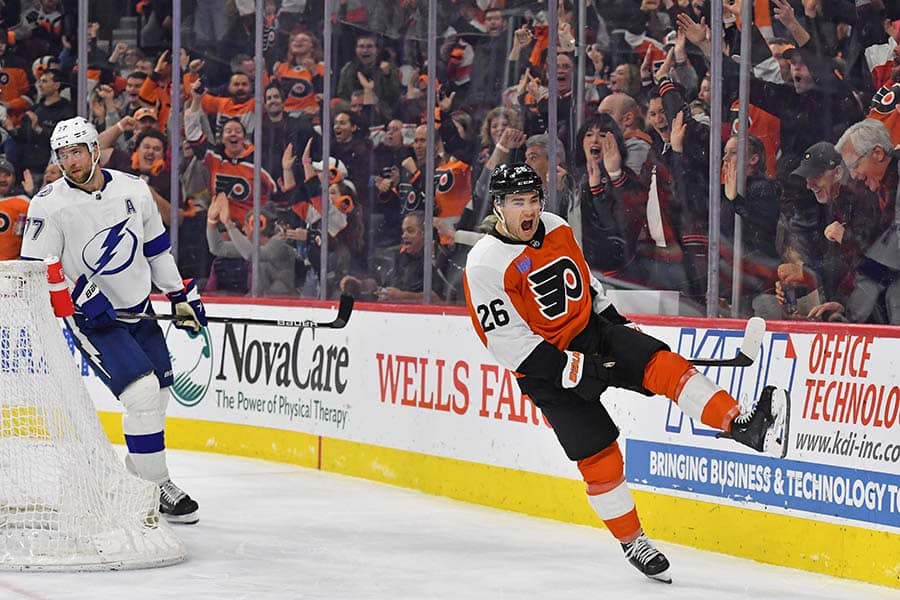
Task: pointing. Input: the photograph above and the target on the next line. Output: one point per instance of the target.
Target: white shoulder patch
(44, 191)
(492, 253)
(552, 221)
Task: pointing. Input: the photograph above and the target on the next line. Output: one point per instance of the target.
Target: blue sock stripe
(145, 444)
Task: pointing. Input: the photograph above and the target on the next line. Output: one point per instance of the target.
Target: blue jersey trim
(143, 306)
(28, 258)
(157, 245)
(145, 444)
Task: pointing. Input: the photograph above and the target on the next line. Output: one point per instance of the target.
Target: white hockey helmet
(70, 132)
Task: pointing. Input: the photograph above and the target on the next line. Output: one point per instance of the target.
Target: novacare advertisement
(424, 383)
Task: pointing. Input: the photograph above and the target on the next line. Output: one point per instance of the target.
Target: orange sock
(671, 375)
(608, 492)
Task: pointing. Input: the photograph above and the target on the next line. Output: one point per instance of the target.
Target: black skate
(175, 505)
(765, 427)
(647, 559)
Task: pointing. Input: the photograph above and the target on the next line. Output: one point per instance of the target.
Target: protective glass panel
(804, 244)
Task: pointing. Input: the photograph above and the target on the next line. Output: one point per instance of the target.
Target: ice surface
(269, 530)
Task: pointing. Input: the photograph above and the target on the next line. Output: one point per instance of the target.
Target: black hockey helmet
(514, 178)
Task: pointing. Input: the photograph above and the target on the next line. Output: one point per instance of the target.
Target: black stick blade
(741, 360)
(345, 308)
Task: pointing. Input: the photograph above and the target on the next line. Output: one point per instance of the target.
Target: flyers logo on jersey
(412, 200)
(234, 187)
(444, 180)
(554, 285)
(301, 88)
(886, 99)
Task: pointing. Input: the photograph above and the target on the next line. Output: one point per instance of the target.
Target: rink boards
(411, 398)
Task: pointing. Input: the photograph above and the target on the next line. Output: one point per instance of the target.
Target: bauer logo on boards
(192, 365)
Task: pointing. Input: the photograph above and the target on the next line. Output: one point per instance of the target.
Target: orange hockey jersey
(11, 239)
(14, 88)
(224, 108)
(452, 188)
(299, 87)
(885, 107)
(521, 294)
(161, 97)
(880, 60)
(765, 126)
(234, 176)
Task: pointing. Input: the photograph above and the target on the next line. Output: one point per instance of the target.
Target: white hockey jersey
(115, 237)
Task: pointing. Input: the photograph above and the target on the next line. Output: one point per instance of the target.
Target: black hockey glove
(586, 374)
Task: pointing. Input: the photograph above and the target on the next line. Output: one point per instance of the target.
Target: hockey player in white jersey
(107, 231)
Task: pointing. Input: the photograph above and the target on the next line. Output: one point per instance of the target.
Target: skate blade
(776, 442)
(188, 519)
(663, 577)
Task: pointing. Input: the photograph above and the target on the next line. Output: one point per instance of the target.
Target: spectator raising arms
(230, 164)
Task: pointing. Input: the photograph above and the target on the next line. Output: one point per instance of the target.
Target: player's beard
(85, 176)
(81, 178)
(519, 234)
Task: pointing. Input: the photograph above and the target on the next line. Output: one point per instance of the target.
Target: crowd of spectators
(817, 207)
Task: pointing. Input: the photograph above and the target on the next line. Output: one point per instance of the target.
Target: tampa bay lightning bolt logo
(110, 251)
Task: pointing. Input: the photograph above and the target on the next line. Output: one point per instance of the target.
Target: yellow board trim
(837, 550)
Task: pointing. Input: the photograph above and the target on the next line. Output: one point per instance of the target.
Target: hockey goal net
(67, 502)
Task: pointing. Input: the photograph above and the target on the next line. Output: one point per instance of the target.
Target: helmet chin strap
(501, 221)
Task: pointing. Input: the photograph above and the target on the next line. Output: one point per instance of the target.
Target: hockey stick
(345, 308)
(753, 336)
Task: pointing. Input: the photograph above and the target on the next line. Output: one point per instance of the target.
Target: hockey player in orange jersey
(537, 308)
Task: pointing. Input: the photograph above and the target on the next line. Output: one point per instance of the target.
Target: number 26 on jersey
(492, 315)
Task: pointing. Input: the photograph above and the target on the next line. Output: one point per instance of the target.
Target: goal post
(67, 503)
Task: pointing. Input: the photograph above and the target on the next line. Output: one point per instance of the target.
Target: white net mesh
(66, 501)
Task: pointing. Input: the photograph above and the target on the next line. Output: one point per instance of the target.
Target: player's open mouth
(527, 225)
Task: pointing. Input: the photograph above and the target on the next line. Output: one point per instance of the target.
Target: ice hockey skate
(764, 427)
(175, 505)
(647, 559)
